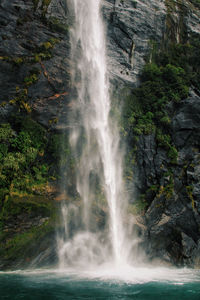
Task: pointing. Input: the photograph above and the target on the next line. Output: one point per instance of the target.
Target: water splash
(110, 274)
(95, 143)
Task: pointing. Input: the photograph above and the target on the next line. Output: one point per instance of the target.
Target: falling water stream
(97, 136)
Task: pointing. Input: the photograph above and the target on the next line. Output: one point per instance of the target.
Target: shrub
(20, 155)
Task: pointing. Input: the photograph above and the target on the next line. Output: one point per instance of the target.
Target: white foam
(126, 274)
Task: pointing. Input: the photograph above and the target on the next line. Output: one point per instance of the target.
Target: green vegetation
(185, 56)
(171, 69)
(44, 51)
(20, 243)
(30, 157)
(29, 153)
(15, 61)
(145, 112)
(145, 109)
(21, 157)
(189, 190)
(166, 79)
(31, 204)
(29, 80)
(21, 99)
(56, 25)
(139, 206)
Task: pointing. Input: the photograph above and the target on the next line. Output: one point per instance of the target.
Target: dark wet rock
(23, 35)
(186, 121)
(188, 245)
(145, 161)
(196, 255)
(131, 27)
(173, 218)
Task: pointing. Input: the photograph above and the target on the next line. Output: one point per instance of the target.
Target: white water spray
(96, 144)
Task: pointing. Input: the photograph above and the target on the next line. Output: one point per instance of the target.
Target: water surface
(45, 284)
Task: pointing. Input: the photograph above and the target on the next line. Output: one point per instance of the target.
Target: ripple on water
(45, 284)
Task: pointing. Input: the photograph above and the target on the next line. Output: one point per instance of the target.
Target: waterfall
(95, 143)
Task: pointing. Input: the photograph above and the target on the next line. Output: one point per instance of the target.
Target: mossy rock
(56, 25)
(26, 222)
(16, 204)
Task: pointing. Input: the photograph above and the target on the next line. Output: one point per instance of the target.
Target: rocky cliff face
(131, 27)
(35, 59)
(170, 189)
(35, 82)
(134, 25)
(172, 219)
(35, 89)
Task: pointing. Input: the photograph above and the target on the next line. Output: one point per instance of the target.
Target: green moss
(165, 120)
(29, 80)
(22, 245)
(15, 61)
(30, 204)
(47, 45)
(166, 190)
(44, 51)
(56, 25)
(189, 190)
(41, 56)
(163, 140)
(169, 190)
(21, 99)
(154, 188)
(139, 206)
(173, 154)
(18, 60)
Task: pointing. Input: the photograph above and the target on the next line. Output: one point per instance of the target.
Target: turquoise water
(52, 285)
